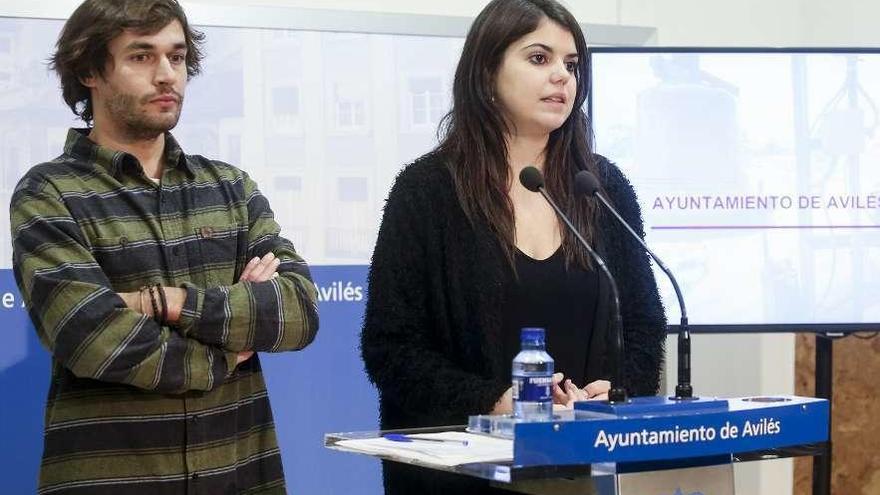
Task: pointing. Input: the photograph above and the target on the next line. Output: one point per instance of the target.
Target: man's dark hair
(82, 48)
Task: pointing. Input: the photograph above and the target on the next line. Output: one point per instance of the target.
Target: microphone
(532, 179)
(586, 183)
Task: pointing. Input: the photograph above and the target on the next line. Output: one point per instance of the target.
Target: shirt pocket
(127, 257)
(220, 251)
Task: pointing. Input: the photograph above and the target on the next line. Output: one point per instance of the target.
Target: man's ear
(89, 81)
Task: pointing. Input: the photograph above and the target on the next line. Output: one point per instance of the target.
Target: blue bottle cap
(532, 335)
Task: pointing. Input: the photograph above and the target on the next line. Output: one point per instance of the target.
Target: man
(152, 276)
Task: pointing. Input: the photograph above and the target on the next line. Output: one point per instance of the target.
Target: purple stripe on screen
(761, 227)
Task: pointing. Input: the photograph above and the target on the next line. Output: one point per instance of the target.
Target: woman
(466, 256)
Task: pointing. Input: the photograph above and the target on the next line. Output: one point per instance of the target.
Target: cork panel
(855, 414)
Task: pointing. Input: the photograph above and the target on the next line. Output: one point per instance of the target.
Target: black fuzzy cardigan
(431, 339)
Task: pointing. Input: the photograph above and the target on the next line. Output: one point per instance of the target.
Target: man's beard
(127, 111)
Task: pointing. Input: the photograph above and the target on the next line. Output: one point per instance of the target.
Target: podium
(667, 446)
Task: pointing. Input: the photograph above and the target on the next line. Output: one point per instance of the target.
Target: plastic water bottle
(532, 378)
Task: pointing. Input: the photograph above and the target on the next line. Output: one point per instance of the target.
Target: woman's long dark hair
(473, 132)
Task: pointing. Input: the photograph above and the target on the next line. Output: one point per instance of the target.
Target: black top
(432, 337)
(560, 300)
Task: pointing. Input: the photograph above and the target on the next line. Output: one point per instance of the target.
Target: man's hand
(140, 302)
(260, 269)
(257, 270)
(133, 301)
(243, 356)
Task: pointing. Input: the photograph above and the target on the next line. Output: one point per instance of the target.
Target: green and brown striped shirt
(134, 406)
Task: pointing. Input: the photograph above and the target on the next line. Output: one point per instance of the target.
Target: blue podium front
(656, 428)
(649, 445)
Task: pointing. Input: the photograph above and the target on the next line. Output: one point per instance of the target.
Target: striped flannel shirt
(134, 406)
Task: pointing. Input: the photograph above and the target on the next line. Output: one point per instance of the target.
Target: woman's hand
(504, 405)
(597, 390)
(560, 397)
(573, 394)
(505, 402)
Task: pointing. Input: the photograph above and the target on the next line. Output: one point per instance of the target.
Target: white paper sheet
(479, 448)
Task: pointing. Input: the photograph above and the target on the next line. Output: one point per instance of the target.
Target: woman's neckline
(539, 260)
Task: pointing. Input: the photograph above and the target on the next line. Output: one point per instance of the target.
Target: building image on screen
(758, 173)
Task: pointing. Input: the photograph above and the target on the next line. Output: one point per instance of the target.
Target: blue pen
(400, 437)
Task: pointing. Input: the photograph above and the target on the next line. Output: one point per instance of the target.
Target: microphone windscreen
(585, 183)
(531, 178)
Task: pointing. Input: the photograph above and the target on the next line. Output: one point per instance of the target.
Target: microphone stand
(683, 390)
(617, 394)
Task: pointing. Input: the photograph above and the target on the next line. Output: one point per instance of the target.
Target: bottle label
(532, 388)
